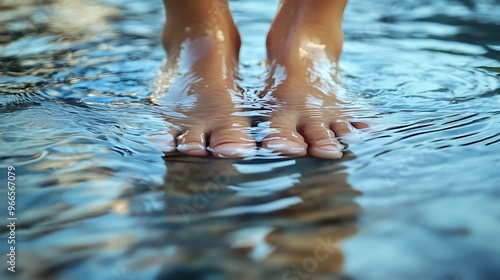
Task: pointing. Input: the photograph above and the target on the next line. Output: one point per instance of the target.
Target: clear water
(416, 198)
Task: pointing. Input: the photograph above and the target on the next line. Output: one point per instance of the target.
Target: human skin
(304, 44)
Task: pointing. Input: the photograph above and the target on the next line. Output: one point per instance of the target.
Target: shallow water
(414, 198)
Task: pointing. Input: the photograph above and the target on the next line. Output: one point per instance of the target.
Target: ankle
(192, 20)
(304, 41)
(302, 28)
(226, 37)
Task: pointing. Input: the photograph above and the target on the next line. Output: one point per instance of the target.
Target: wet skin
(304, 44)
(202, 57)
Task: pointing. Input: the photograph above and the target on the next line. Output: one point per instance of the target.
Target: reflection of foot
(202, 92)
(302, 84)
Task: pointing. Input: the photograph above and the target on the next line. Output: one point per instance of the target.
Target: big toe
(322, 141)
(234, 141)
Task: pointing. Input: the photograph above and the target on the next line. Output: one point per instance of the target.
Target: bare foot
(199, 92)
(308, 115)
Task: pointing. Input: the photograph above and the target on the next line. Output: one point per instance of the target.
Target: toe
(165, 142)
(192, 142)
(233, 141)
(342, 128)
(322, 141)
(286, 141)
(360, 125)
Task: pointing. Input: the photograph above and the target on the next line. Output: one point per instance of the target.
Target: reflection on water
(224, 204)
(416, 198)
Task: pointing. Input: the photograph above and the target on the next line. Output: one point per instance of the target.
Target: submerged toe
(286, 141)
(322, 141)
(192, 142)
(231, 143)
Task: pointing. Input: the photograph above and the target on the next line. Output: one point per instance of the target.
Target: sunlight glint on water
(416, 197)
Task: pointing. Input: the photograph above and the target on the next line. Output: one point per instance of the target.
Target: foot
(199, 93)
(308, 115)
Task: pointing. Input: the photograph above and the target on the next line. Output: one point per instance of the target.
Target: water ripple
(97, 198)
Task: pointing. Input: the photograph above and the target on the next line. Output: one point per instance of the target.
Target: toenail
(279, 144)
(190, 147)
(233, 150)
(286, 147)
(331, 147)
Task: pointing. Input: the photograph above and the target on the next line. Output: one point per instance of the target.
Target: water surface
(414, 198)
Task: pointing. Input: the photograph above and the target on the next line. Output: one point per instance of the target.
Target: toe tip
(286, 147)
(326, 151)
(233, 150)
(192, 149)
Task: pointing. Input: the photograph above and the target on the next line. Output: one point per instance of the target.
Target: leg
(304, 45)
(202, 45)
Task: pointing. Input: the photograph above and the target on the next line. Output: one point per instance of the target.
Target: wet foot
(197, 91)
(307, 113)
